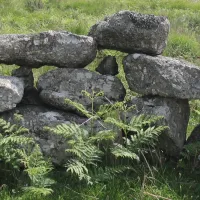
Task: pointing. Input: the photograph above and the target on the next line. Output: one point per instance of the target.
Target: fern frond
(36, 167)
(120, 124)
(103, 135)
(8, 128)
(4, 123)
(141, 120)
(108, 110)
(87, 153)
(79, 107)
(147, 137)
(18, 149)
(104, 109)
(18, 140)
(79, 169)
(76, 167)
(120, 151)
(68, 130)
(37, 191)
(18, 117)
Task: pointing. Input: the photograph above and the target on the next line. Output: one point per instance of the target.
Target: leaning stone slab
(62, 49)
(35, 118)
(57, 85)
(163, 76)
(132, 32)
(11, 92)
(176, 116)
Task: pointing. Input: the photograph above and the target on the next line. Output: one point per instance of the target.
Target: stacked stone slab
(162, 76)
(57, 85)
(61, 49)
(132, 32)
(166, 84)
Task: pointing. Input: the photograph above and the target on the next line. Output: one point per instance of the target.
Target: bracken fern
(90, 151)
(20, 151)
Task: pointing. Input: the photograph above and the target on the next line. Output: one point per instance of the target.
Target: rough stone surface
(194, 136)
(26, 75)
(57, 85)
(176, 116)
(108, 66)
(11, 92)
(37, 117)
(31, 95)
(163, 76)
(62, 49)
(132, 33)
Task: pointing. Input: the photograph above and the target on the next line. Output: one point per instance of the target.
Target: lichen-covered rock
(57, 85)
(108, 66)
(62, 49)
(35, 118)
(163, 76)
(176, 116)
(11, 92)
(131, 32)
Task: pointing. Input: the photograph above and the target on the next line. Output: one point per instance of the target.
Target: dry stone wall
(166, 84)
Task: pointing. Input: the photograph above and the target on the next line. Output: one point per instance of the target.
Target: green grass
(77, 16)
(183, 46)
(166, 183)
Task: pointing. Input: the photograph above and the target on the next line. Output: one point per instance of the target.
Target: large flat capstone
(163, 76)
(11, 92)
(132, 32)
(57, 85)
(62, 49)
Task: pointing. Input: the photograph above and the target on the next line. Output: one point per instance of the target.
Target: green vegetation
(100, 167)
(146, 182)
(93, 150)
(77, 16)
(22, 159)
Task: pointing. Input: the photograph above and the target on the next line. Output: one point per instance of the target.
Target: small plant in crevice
(22, 161)
(97, 154)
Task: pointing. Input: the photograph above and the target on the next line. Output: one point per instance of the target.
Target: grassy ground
(77, 16)
(165, 183)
